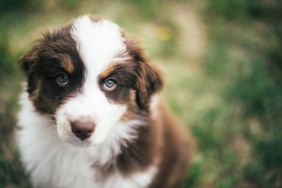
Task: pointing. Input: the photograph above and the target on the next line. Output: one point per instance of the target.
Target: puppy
(91, 116)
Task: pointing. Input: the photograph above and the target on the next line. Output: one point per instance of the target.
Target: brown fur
(53, 54)
(175, 152)
(149, 78)
(67, 64)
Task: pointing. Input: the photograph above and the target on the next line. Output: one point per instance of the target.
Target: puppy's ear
(149, 79)
(28, 64)
(149, 83)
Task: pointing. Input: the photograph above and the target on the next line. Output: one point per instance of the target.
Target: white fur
(53, 163)
(98, 43)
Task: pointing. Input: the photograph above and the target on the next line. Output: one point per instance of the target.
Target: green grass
(222, 64)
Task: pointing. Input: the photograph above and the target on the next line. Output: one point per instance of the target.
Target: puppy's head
(90, 77)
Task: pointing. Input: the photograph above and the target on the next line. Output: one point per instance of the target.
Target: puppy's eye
(62, 79)
(109, 84)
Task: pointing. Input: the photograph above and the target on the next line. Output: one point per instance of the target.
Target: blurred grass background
(223, 66)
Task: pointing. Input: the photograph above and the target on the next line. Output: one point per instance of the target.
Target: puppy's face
(89, 77)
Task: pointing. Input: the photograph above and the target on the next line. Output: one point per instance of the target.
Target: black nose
(82, 129)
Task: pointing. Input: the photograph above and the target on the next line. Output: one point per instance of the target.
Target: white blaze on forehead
(98, 42)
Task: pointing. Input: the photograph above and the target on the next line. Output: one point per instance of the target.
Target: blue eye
(109, 85)
(62, 79)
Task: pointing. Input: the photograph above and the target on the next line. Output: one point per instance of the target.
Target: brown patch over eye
(54, 70)
(117, 81)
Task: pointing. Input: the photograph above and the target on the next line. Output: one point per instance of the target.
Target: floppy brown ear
(28, 64)
(149, 79)
(149, 83)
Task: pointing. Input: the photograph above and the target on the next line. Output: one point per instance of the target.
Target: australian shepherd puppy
(91, 116)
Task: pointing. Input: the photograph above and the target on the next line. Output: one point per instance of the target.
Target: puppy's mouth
(79, 143)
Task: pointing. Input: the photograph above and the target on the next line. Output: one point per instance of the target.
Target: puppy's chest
(65, 168)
